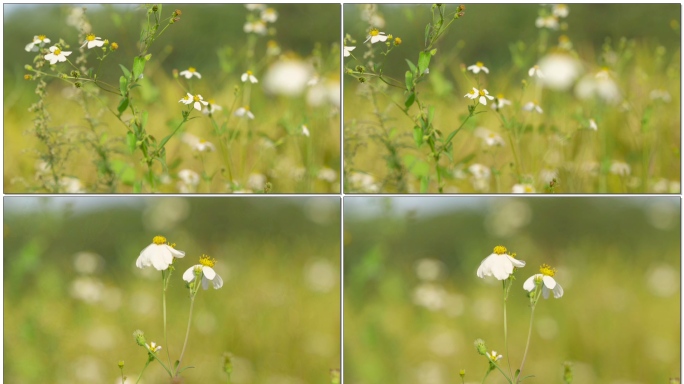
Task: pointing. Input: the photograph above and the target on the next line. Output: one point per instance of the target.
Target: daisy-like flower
(244, 112)
(190, 72)
(272, 48)
(269, 15)
(305, 131)
(550, 22)
(255, 7)
(620, 168)
(204, 146)
(536, 71)
(159, 254)
(258, 27)
(500, 102)
(533, 106)
(499, 264)
(196, 100)
(39, 40)
(153, 347)
(189, 177)
(477, 67)
(523, 188)
(490, 138)
(92, 41)
(56, 54)
(547, 281)
(560, 10)
(212, 108)
(376, 36)
(206, 270)
(249, 76)
(494, 356)
(481, 95)
(347, 50)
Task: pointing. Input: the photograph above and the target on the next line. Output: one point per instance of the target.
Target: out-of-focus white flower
(558, 71)
(288, 77)
(500, 102)
(347, 50)
(363, 182)
(550, 22)
(92, 41)
(547, 175)
(480, 171)
(620, 168)
(204, 146)
(190, 72)
(255, 7)
(325, 92)
(249, 76)
(305, 131)
(272, 48)
(244, 112)
(269, 15)
(374, 35)
(660, 94)
(477, 67)
(206, 271)
(523, 188)
(39, 40)
(159, 254)
(327, 174)
(490, 138)
(257, 26)
(666, 186)
(71, 185)
(533, 106)
(56, 54)
(536, 71)
(212, 108)
(601, 84)
(430, 296)
(189, 177)
(560, 10)
(547, 280)
(256, 181)
(592, 125)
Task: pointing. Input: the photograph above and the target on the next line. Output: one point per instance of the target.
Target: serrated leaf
(409, 80)
(410, 99)
(130, 141)
(423, 62)
(138, 67)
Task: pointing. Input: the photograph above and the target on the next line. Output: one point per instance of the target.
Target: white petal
(218, 282)
(189, 274)
(545, 292)
(209, 272)
(549, 282)
(516, 263)
(501, 270)
(557, 291)
(205, 283)
(528, 285)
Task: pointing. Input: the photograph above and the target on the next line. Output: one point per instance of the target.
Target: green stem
(508, 356)
(527, 346)
(485, 376)
(166, 340)
(141, 372)
(187, 332)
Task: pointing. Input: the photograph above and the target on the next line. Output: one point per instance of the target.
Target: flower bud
(114, 46)
(480, 347)
(28, 77)
(121, 364)
(462, 373)
(28, 67)
(397, 41)
(335, 376)
(139, 337)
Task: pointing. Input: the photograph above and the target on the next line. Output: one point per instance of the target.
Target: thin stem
(508, 356)
(141, 372)
(187, 332)
(166, 339)
(485, 376)
(527, 346)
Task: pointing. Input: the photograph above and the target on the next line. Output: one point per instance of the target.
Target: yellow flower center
(545, 269)
(90, 37)
(57, 51)
(500, 96)
(528, 189)
(483, 92)
(249, 73)
(186, 97)
(374, 32)
(159, 240)
(500, 250)
(42, 37)
(207, 261)
(196, 98)
(246, 109)
(479, 64)
(272, 44)
(192, 70)
(202, 141)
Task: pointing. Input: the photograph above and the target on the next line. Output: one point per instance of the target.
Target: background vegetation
(210, 38)
(637, 127)
(73, 296)
(414, 305)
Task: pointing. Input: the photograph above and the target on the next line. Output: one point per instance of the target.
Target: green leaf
(418, 135)
(144, 119)
(424, 184)
(123, 85)
(123, 104)
(138, 67)
(126, 72)
(431, 115)
(427, 33)
(412, 66)
(423, 62)
(131, 140)
(416, 166)
(137, 187)
(409, 100)
(409, 80)
(433, 52)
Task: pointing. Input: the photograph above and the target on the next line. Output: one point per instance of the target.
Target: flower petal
(218, 282)
(558, 291)
(209, 272)
(528, 285)
(549, 282)
(189, 274)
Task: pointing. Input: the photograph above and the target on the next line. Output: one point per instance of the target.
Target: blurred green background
(73, 296)
(414, 305)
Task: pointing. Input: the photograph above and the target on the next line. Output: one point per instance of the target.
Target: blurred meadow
(501, 98)
(73, 296)
(414, 305)
(268, 118)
